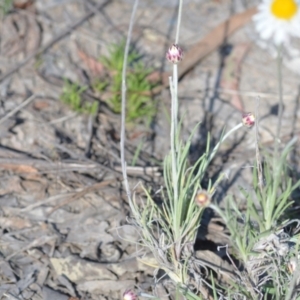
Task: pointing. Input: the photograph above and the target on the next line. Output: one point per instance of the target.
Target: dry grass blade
(85, 191)
(16, 109)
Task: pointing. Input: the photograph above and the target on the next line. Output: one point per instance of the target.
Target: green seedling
(72, 96)
(140, 105)
(6, 6)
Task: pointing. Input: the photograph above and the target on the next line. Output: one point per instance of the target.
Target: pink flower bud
(174, 54)
(129, 295)
(248, 119)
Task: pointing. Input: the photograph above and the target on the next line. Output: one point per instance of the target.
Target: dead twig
(47, 167)
(151, 171)
(19, 107)
(78, 195)
(214, 39)
(36, 243)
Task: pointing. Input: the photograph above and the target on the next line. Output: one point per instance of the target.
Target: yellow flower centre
(284, 9)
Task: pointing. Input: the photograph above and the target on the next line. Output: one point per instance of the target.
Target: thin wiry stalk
(213, 153)
(280, 107)
(258, 158)
(175, 69)
(174, 119)
(175, 104)
(123, 114)
(173, 83)
(173, 140)
(178, 21)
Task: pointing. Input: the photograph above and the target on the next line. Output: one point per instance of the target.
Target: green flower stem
(178, 21)
(213, 153)
(174, 151)
(173, 89)
(175, 104)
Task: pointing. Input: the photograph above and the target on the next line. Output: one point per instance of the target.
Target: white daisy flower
(278, 20)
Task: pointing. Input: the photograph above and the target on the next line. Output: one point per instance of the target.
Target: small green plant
(72, 96)
(140, 105)
(263, 247)
(5, 6)
(259, 234)
(169, 229)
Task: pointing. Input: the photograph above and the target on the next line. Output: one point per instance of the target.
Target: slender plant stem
(211, 156)
(173, 141)
(175, 104)
(178, 21)
(124, 88)
(258, 157)
(174, 112)
(280, 106)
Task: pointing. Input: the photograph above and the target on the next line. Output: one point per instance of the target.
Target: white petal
(272, 28)
(267, 33)
(280, 37)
